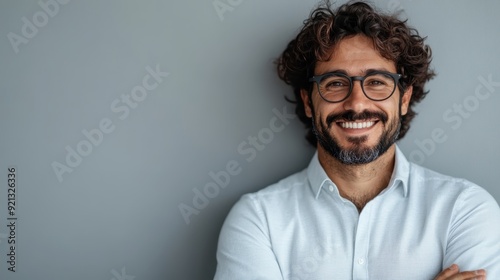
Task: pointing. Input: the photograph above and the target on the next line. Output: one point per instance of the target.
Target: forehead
(354, 55)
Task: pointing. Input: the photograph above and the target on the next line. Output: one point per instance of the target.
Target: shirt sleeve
(244, 250)
(474, 233)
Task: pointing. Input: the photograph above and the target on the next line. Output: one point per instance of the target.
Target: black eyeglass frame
(317, 79)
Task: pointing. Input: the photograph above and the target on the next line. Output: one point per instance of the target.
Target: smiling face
(356, 130)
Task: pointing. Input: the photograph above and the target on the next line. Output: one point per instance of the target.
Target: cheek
(322, 110)
(393, 108)
(313, 107)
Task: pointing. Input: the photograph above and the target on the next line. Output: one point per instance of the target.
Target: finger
(450, 271)
(469, 275)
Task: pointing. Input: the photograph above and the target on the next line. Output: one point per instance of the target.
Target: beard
(359, 154)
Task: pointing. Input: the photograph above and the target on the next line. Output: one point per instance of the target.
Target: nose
(357, 100)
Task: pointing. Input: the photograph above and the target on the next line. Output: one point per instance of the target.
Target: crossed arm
(473, 242)
(477, 217)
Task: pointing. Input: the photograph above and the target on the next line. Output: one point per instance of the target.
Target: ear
(405, 100)
(307, 102)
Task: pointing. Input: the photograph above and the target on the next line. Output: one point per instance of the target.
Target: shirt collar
(317, 175)
(401, 173)
(318, 178)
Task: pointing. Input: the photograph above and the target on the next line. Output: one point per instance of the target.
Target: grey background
(116, 215)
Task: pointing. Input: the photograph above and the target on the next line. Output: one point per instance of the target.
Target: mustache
(353, 116)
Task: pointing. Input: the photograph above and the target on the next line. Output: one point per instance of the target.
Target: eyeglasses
(336, 87)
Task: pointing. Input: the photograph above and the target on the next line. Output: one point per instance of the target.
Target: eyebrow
(363, 72)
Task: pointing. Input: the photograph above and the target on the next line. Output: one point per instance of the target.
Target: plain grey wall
(73, 70)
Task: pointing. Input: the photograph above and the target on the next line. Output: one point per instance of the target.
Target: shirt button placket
(361, 245)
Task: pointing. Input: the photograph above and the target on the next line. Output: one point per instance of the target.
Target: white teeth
(356, 125)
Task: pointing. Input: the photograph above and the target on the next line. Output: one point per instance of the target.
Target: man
(360, 210)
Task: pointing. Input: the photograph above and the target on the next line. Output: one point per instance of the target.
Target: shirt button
(330, 188)
(361, 261)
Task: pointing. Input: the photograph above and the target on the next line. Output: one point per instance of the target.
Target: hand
(453, 273)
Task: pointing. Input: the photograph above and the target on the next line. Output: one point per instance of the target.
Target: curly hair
(392, 38)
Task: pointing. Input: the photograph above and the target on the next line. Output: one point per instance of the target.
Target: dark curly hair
(391, 36)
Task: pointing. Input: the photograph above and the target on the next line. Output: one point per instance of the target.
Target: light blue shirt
(301, 228)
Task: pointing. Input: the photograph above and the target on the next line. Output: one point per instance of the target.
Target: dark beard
(357, 155)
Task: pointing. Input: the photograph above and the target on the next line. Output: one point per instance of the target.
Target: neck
(359, 183)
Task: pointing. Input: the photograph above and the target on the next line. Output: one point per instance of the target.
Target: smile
(356, 125)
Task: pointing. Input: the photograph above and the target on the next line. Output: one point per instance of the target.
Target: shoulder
(439, 187)
(291, 186)
(275, 198)
(420, 175)
(288, 185)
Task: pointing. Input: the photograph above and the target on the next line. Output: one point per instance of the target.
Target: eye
(375, 82)
(335, 82)
(378, 80)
